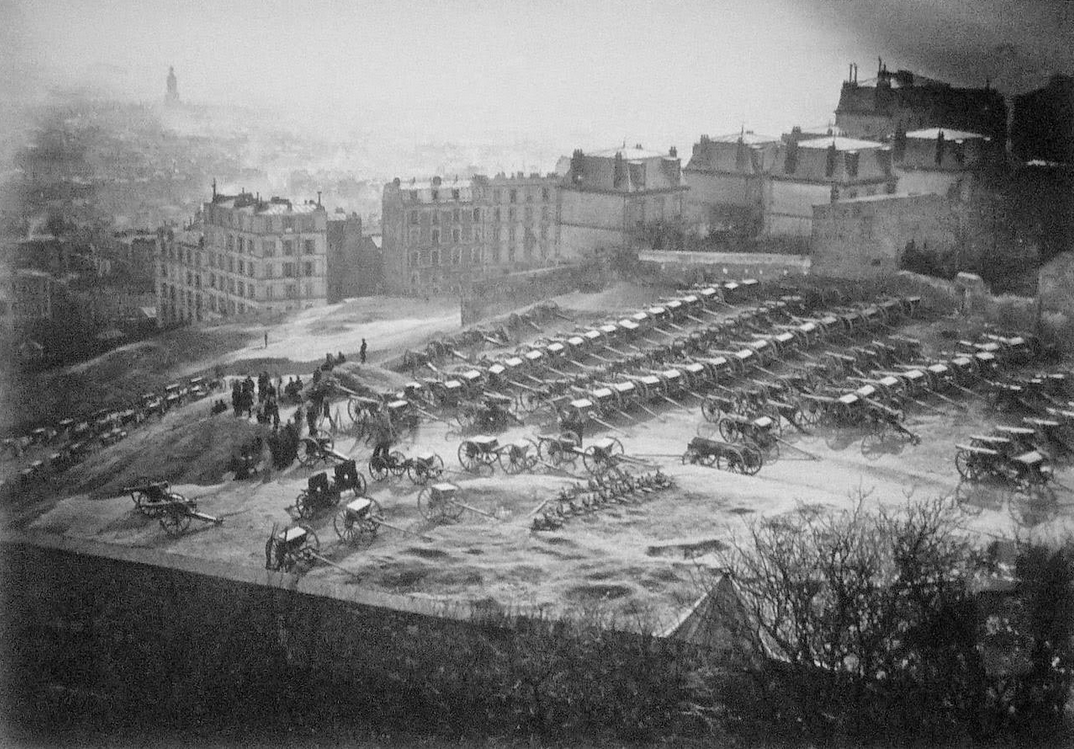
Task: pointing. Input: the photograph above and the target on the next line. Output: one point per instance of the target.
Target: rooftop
(749, 137)
(931, 133)
(630, 154)
(840, 143)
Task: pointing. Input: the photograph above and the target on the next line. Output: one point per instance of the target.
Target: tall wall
(148, 648)
(866, 237)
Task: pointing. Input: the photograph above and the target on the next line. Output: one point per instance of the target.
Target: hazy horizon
(587, 74)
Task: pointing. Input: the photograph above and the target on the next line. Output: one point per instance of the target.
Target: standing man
(361, 352)
(266, 339)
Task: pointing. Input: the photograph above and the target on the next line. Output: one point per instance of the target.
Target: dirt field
(640, 561)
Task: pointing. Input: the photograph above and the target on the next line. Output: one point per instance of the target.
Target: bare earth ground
(639, 561)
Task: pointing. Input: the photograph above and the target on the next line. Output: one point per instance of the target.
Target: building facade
(877, 108)
(252, 256)
(725, 176)
(440, 236)
(817, 171)
(26, 297)
(940, 161)
(608, 196)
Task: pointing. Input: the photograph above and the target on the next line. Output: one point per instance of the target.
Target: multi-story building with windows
(438, 236)
(254, 255)
(822, 170)
(726, 178)
(522, 221)
(878, 108)
(608, 196)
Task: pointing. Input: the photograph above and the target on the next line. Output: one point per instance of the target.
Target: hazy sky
(659, 72)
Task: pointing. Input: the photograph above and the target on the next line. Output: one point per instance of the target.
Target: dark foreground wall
(121, 649)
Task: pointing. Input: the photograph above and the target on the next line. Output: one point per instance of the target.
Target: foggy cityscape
(608, 373)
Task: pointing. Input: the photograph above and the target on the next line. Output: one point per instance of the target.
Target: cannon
(290, 547)
(607, 454)
(318, 447)
(359, 521)
(492, 414)
(172, 510)
(737, 458)
(442, 502)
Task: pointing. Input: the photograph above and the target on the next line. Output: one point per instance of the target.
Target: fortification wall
(690, 266)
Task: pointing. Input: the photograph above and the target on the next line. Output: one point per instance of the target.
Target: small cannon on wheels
(287, 548)
(358, 522)
(737, 458)
(317, 448)
(605, 454)
(172, 510)
(320, 494)
(441, 502)
(419, 468)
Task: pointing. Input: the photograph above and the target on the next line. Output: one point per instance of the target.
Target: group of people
(283, 442)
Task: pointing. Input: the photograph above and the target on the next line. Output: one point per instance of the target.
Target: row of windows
(496, 255)
(247, 268)
(268, 246)
(455, 216)
(457, 236)
(241, 290)
(512, 195)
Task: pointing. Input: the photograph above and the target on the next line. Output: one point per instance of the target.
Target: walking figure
(361, 352)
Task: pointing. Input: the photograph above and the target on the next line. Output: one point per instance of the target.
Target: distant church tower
(172, 97)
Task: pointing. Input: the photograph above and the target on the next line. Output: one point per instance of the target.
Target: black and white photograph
(562, 373)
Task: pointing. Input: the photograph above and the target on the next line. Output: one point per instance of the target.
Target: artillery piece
(172, 510)
(441, 502)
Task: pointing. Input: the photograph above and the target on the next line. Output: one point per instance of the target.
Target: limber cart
(172, 510)
(419, 468)
(514, 457)
(320, 493)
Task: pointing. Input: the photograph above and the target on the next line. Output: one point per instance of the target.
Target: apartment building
(440, 235)
(252, 256)
(607, 196)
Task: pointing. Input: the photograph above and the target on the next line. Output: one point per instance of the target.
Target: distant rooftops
(274, 206)
(630, 154)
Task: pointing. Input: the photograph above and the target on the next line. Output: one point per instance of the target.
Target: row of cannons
(625, 368)
(1022, 455)
(71, 440)
(452, 347)
(863, 388)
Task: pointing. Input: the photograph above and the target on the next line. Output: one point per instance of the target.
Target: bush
(863, 625)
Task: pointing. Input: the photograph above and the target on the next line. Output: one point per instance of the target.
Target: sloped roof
(931, 133)
(840, 143)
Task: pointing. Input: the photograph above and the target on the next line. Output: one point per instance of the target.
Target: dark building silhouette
(172, 95)
(902, 101)
(1042, 128)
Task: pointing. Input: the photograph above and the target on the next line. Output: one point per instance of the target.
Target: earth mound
(193, 451)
